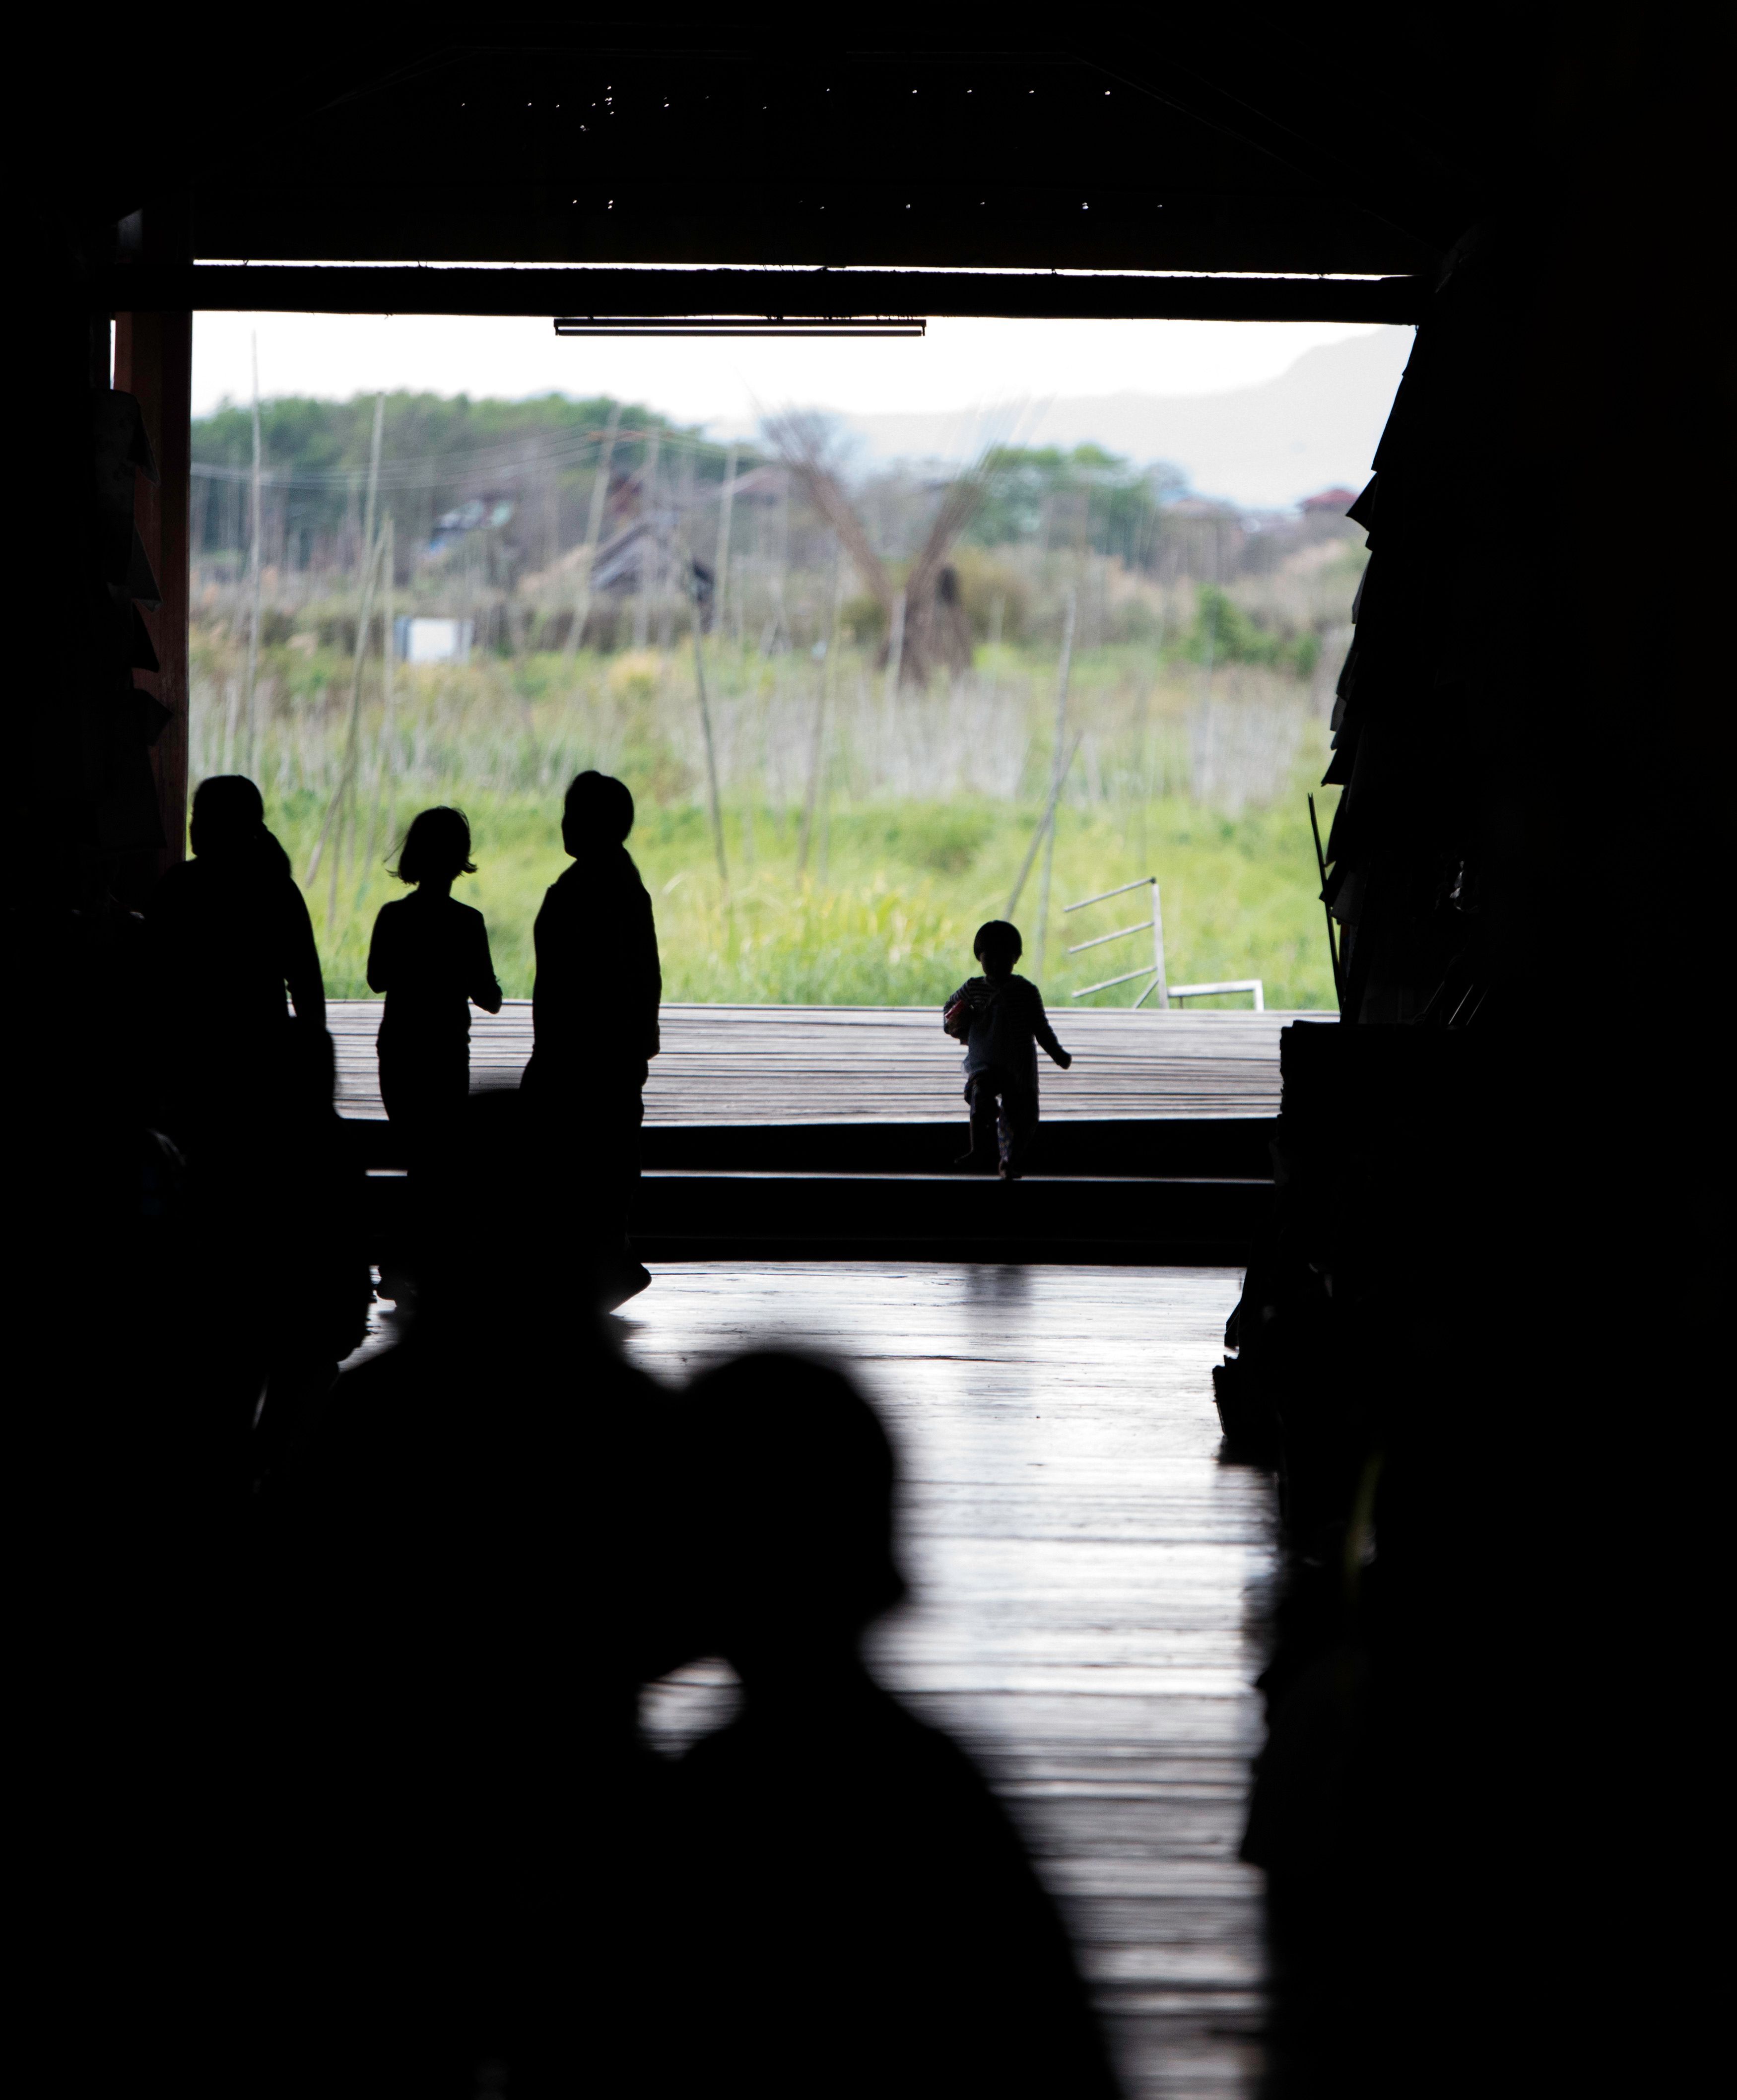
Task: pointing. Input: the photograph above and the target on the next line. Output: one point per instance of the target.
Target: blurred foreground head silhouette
(795, 1477)
(597, 813)
(436, 847)
(858, 1913)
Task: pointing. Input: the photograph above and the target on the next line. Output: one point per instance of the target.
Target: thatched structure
(929, 632)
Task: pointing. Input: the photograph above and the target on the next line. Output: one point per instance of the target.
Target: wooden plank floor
(844, 1064)
(1085, 1578)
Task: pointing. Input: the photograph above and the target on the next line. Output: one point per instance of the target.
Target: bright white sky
(963, 364)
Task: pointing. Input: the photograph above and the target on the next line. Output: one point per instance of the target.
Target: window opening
(1069, 597)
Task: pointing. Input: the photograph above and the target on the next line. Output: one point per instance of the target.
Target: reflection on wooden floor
(877, 1064)
(1086, 1575)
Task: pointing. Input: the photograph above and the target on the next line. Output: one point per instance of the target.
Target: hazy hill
(1261, 447)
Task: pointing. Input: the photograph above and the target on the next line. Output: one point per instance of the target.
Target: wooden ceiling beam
(408, 288)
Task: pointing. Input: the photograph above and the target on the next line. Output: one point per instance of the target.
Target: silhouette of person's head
(597, 813)
(228, 817)
(436, 848)
(998, 947)
(227, 829)
(793, 1478)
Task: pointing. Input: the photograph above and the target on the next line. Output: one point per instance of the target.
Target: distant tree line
(514, 481)
(439, 452)
(1088, 500)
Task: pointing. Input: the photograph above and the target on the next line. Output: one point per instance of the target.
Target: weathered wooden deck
(1087, 1580)
(851, 1063)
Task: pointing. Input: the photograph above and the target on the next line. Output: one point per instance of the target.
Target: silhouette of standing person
(228, 931)
(430, 956)
(594, 1019)
(247, 1093)
(864, 1918)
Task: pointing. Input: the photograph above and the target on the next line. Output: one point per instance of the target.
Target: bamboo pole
(647, 510)
(1057, 774)
(1142, 778)
(254, 580)
(711, 762)
(781, 564)
(678, 562)
(373, 480)
(340, 813)
(388, 692)
(593, 526)
(721, 566)
(895, 648)
(342, 796)
(1203, 771)
(383, 778)
(816, 753)
(1042, 830)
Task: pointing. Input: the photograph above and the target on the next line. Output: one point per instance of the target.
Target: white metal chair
(1154, 970)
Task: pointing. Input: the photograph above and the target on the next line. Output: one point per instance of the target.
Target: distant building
(1336, 500)
(420, 640)
(479, 513)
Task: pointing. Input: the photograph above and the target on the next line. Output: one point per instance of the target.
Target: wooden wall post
(154, 362)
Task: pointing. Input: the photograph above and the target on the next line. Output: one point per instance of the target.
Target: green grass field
(896, 882)
(906, 884)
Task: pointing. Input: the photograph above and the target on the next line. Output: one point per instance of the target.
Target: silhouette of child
(865, 1919)
(430, 956)
(999, 1019)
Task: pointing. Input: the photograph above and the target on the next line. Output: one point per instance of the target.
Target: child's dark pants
(1004, 1117)
(424, 1096)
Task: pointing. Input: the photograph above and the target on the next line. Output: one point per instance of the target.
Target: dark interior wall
(153, 361)
(1503, 749)
(1521, 1230)
(1463, 1340)
(103, 782)
(56, 371)
(1616, 382)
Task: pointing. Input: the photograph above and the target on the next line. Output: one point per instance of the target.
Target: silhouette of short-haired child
(430, 956)
(594, 1020)
(864, 1917)
(999, 1019)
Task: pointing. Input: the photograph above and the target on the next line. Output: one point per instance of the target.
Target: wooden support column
(154, 362)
